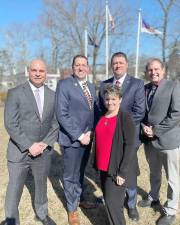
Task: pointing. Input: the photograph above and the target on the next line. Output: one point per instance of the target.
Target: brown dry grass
(55, 192)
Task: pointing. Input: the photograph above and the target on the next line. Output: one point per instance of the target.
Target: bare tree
(166, 6)
(18, 39)
(174, 61)
(64, 23)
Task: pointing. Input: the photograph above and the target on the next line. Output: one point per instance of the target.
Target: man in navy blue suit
(133, 101)
(75, 100)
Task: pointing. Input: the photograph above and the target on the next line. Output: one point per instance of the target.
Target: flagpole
(137, 43)
(85, 42)
(107, 46)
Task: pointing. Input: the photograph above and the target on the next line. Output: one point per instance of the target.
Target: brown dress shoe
(87, 205)
(73, 218)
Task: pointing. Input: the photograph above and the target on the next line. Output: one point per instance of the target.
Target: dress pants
(75, 161)
(114, 199)
(18, 172)
(131, 191)
(169, 159)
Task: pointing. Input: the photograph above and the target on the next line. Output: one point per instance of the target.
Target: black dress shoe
(9, 221)
(100, 200)
(133, 214)
(166, 220)
(148, 203)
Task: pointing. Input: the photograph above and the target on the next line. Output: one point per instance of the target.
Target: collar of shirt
(41, 92)
(121, 80)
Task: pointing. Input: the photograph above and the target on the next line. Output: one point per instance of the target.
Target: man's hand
(119, 180)
(43, 145)
(86, 138)
(37, 148)
(90, 133)
(148, 131)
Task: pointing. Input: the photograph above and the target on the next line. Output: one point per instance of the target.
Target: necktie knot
(84, 84)
(37, 91)
(118, 83)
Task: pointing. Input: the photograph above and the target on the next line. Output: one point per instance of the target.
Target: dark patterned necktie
(87, 94)
(151, 96)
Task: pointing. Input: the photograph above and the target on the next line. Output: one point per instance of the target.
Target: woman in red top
(114, 133)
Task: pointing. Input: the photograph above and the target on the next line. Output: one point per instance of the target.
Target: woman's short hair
(112, 89)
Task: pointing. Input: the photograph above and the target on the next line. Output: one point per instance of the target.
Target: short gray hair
(112, 89)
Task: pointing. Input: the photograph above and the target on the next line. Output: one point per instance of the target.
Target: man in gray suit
(161, 128)
(75, 99)
(31, 124)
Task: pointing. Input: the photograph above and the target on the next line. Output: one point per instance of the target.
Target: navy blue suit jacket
(133, 100)
(72, 111)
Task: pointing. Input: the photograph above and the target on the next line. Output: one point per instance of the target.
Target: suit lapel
(46, 101)
(79, 89)
(77, 86)
(126, 83)
(29, 94)
(110, 80)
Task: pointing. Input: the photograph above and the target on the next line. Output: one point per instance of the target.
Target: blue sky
(17, 11)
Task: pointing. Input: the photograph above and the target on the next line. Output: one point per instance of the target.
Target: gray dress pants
(17, 176)
(169, 159)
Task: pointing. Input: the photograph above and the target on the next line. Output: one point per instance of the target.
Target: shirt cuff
(81, 137)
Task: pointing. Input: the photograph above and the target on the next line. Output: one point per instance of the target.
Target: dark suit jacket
(72, 110)
(122, 151)
(23, 123)
(164, 115)
(133, 100)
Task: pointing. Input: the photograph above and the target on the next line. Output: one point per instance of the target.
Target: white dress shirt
(121, 80)
(41, 92)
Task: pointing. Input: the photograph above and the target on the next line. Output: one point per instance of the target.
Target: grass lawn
(56, 197)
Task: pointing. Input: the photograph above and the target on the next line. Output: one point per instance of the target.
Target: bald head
(37, 72)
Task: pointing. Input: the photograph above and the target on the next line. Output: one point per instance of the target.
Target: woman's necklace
(107, 117)
(106, 121)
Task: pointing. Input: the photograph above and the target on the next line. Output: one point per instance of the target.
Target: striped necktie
(87, 94)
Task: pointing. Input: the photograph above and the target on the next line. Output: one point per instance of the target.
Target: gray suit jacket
(72, 111)
(23, 123)
(164, 115)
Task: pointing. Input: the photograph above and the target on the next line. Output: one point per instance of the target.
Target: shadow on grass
(98, 215)
(141, 192)
(95, 216)
(8, 221)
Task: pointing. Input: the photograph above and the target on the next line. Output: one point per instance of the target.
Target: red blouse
(104, 135)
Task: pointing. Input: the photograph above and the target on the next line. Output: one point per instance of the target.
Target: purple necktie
(118, 83)
(38, 102)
